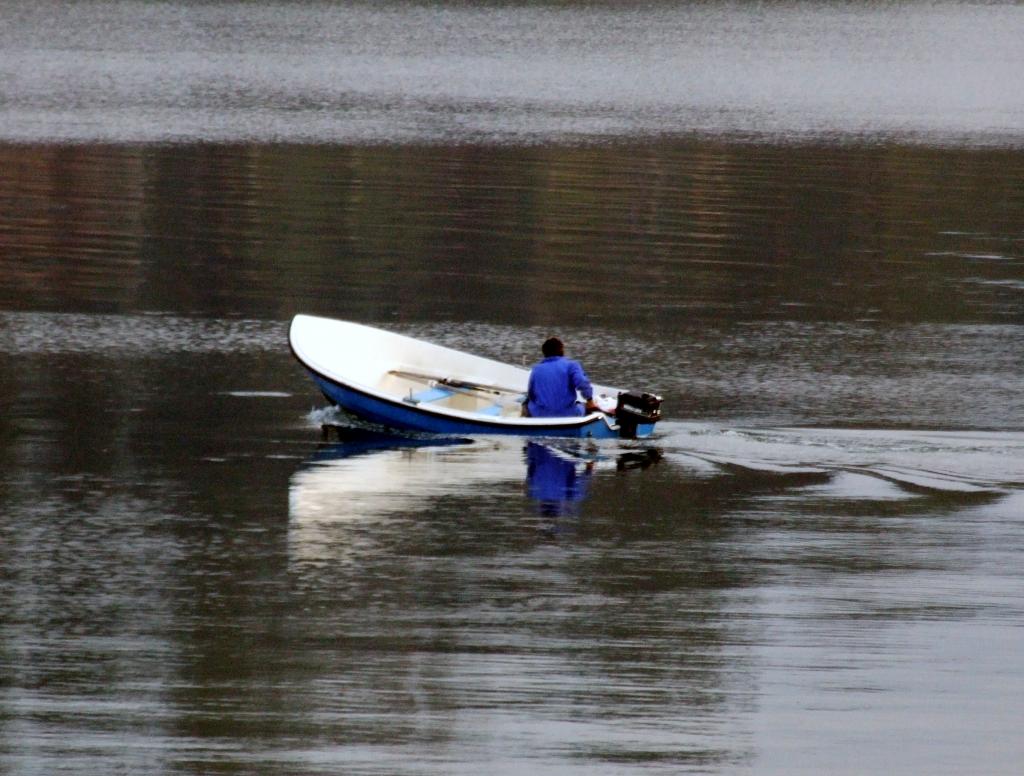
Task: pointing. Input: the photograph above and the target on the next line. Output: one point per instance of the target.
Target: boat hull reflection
(373, 476)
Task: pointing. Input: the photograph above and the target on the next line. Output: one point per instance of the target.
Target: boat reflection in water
(373, 477)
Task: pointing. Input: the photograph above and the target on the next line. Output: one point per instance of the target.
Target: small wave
(927, 481)
(1016, 285)
(326, 416)
(858, 460)
(258, 394)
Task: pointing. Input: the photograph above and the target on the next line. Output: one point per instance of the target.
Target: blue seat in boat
(430, 394)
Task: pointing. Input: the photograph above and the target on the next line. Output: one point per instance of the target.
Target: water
(800, 223)
(516, 72)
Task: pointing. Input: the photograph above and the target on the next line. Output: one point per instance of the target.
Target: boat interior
(437, 391)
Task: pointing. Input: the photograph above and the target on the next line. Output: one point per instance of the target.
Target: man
(553, 385)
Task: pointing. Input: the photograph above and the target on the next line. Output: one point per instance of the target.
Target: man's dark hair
(552, 347)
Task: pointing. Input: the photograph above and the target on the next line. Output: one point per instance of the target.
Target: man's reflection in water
(556, 480)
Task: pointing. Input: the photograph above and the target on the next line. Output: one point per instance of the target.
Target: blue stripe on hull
(400, 416)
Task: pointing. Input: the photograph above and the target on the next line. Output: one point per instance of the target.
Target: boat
(412, 385)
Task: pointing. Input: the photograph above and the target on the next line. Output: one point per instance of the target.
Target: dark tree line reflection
(631, 232)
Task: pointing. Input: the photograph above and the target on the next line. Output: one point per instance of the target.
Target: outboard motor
(635, 410)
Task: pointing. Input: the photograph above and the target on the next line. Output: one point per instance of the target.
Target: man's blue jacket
(552, 388)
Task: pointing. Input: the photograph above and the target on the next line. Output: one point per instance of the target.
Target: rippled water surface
(379, 72)
(800, 223)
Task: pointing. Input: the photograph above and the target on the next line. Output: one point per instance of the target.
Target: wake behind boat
(409, 384)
